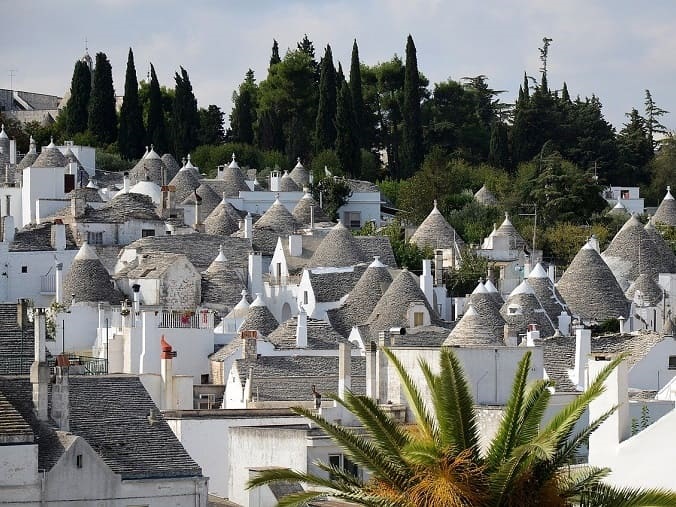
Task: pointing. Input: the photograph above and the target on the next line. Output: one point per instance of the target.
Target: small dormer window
(95, 238)
(305, 297)
(672, 362)
(147, 232)
(418, 319)
(24, 269)
(78, 461)
(513, 310)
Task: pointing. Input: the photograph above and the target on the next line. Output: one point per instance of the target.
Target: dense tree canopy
(77, 108)
(131, 137)
(102, 120)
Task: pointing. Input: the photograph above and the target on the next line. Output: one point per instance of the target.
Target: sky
(613, 49)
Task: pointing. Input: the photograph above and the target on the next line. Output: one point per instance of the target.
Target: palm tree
(437, 460)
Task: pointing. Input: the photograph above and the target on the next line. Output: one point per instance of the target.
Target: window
(24, 269)
(352, 219)
(68, 183)
(672, 362)
(305, 299)
(147, 232)
(343, 462)
(204, 378)
(95, 238)
(418, 319)
(78, 461)
(624, 194)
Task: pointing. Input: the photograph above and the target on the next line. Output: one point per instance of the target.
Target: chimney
(551, 272)
(582, 352)
(564, 323)
(8, 228)
(510, 336)
(426, 283)
(275, 179)
(312, 216)
(250, 349)
(248, 226)
(603, 443)
(125, 183)
(438, 267)
(167, 373)
(136, 288)
(255, 273)
(344, 368)
(594, 242)
(61, 396)
(301, 329)
(39, 369)
(622, 324)
(77, 206)
(58, 235)
(532, 335)
(58, 282)
(295, 245)
(382, 365)
(371, 370)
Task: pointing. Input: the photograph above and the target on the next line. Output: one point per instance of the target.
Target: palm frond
(574, 482)
(505, 439)
(604, 494)
(536, 401)
(414, 397)
(300, 498)
(274, 475)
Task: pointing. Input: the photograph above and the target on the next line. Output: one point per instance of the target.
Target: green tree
(357, 94)
(332, 193)
(77, 109)
(274, 57)
(412, 152)
(211, 125)
(243, 114)
(156, 128)
(131, 136)
(308, 48)
(325, 124)
(102, 120)
(498, 150)
(635, 151)
(652, 119)
(185, 117)
(347, 142)
(386, 106)
(437, 459)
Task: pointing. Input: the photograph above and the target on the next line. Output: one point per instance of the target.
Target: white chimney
(438, 267)
(39, 369)
(136, 288)
(248, 226)
(426, 281)
(344, 368)
(551, 272)
(295, 245)
(275, 179)
(532, 335)
(582, 352)
(564, 323)
(371, 370)
(301, 329)
(167, 374)
(8, 228)
(125, 183)
(255, 273)
(58, 282)
(603, 443)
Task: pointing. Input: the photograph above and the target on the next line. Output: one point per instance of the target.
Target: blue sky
(614, 49)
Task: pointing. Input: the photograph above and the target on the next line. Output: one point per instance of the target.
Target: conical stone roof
(619, 210)
(436, 232)
(210, 199)
(645, 291)
(337, 249)
(522, 308)
(259, 318)
(221, 285)
(391, 310)
(50, 156)
(488, 309)
(632, 251)
(223, 220)
(88, 280)
(485, 197)
(516, 241)
(277, 218)
(666, 211)
(300, 175)
(663, 249)
(362, 299)
(185, 183)
(493, 291)
(28, 160)
(233, 179)
(472, 331)
(287, 184)
(172, 166)
(150, 167)
(548, 295)
(301, 211)
(590, 289)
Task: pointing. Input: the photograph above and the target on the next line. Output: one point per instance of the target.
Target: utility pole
(12, 73)
(535, 221)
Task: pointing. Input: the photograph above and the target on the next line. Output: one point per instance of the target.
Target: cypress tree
(347, 140)
(243, 113)
(156, 130)
(325, 128)
(77, 109)
(412, 138)
(102, 121)
(274, 58)
(131, 136)
(357, 94)
(186, 117)
(340, 78)
(498, 153)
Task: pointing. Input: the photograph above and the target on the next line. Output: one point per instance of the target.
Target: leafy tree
(662, 170)
(243, 114)
(325, 159)
(77, 109)
(412, 136)
(463, 281)
(347, 143)
(185, 118)
(210, 156)
(652, 117)
(437, 459)
(269, 133)
(131, 135)
(274, 57)
(102, 120)
(211, 125)
(387, 103)
(407, 254)
(307, 47)
(474, 221)
(635, 151)
(333, 193)
(498, 149)
(357, 95)
(325, 125)
(156, 129)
